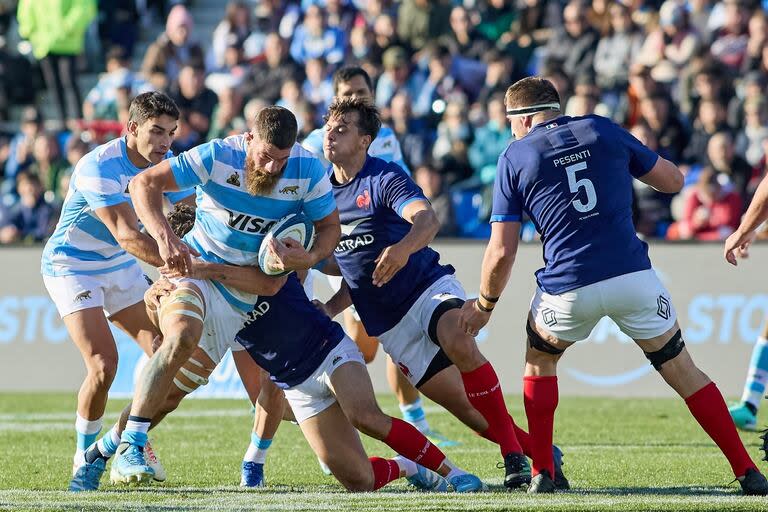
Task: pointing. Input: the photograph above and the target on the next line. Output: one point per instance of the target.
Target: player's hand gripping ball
(296, 226)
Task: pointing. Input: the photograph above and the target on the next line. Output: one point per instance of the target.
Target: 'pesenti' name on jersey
(569, 159)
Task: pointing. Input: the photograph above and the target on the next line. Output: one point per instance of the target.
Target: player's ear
(133, 128)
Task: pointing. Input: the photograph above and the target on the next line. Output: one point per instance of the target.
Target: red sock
(709, 409)
(540, 399)
(411, 444)
(384, 471)
(484, 392)
(522, 437)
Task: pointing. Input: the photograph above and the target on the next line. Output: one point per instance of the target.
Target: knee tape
(192, 380)
(539, 343)
(668, 352)
(189, 302)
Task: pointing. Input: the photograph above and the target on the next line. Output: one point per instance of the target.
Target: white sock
(257, 450)
(407, 466)
(109, 443)
(414, 414)
(87, 432)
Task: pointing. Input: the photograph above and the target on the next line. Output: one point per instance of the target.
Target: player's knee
(540, 351)
(182, 341)
(668, 352)
(102, 370)
(362, 481)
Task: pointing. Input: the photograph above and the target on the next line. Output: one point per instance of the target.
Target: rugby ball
(296, 226)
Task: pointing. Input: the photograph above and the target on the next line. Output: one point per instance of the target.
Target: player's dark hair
(531, 91)
(347, 73)
(150, 105)
(181, 219)
(368, 117)
(276, 126)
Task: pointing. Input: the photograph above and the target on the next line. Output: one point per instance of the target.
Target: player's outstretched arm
(121, 221)
(425, 226)
(497, 266)
(147, 194)
(664, 177)
(249, 279)
(756, 214)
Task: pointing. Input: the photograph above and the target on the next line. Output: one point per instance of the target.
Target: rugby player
(245, 183)
(89, 264)
(310, 362)
(354, 82)
(573, 177)
(404, 296)
(737, 245)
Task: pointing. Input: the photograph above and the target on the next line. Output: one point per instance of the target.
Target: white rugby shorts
(408, 343)
(113, 291)
(314, 395)
(221, 323)
(638, 302)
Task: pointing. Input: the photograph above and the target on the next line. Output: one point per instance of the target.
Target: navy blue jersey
(370, 207)
(573, 177)
(288, 336)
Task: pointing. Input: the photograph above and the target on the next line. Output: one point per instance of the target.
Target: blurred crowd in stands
(687, 78)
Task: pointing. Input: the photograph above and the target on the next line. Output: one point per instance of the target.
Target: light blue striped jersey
(384, 146)
(230, 223)
(81, 243)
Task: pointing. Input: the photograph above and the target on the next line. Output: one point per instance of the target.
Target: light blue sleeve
(100, 184)
(319, 201)
(194, 167)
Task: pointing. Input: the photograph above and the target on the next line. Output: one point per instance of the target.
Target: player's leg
(669, 356)
(438, 314)
(351, 385)
(134, 321)
(181, 318)
(744, 413)
(368, 345)
(268, 401)
(643, 309)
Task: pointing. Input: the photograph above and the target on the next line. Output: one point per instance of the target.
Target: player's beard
(258, 181)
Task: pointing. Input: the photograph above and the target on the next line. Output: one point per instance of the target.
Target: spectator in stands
(314, 38)
(194, 99)
(614, 54)
(758, 38)
(709, 121)
(535, 23)
(31, 218)
(102, 101)
(498, 75)
(454, 127)
(384, 37)
(651, 207)
(171, 50)
(496, 16)
(414, 135)
(441, 84)
(712, 210)
(673, 44)
(464, 39)
(422, 21)
(750, 140)
(268, 76)
(20, 151)
(581, 105)
(723, 160)
(234, 29)
(227, 115)
(752, 86)
(491, 140)
(75, 149)
(397, 77)
(317, 87)
(340, 15)
(360, 44)
(699, 12)
(253, 107)
(58, 37)
(431, 183)
(657, 111)
(49, 163)
(306, 119)
(730, 42)
(290, 95)
(119, 22)
(573, 46)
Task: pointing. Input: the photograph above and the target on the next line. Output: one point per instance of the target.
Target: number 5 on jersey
(585, 183)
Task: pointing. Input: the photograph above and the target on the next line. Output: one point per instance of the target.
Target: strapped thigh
(192, 375)
(669, 351)
(539, 343)
(185, 301)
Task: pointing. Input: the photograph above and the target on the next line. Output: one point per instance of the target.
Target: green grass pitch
(620, 455)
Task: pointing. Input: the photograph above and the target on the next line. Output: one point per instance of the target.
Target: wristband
(482, 308)
(490, 300)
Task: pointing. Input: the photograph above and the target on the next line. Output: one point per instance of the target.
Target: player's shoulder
(232, 147)
(302, 163)
(103, 161)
